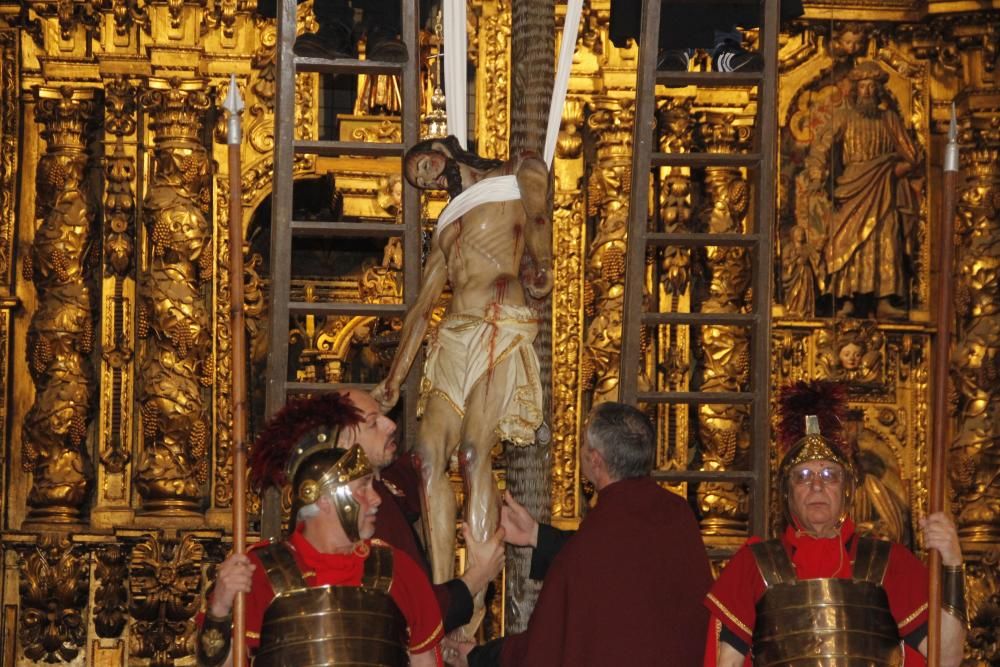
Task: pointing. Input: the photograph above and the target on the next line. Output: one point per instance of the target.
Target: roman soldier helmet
(299, 445)
(811, 428)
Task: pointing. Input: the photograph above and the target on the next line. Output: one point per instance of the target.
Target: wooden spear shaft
(942, 357)
(234, 106)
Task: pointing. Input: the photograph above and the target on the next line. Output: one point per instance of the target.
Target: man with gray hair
(627, 586)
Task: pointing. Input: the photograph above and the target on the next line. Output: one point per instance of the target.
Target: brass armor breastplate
(330, 625)
(825, 622)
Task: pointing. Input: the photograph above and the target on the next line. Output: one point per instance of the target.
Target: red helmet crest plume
(283, 439)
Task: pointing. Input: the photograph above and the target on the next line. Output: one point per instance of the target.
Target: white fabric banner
(456, 44)
(498, 188)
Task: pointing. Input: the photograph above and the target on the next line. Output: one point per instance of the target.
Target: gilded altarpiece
(114, 347)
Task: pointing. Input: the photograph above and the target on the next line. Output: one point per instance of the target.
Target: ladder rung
(672, 476)
(713, 397)
(326, 387)
(344, 229)
(698, 239)
(703, 319)
(347, 309)
(704, 159)
(707, 79)
(346, 66)
(355, 148)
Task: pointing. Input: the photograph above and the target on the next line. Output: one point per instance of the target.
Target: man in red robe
(626, 588)
(821, 549)
(397, 482)
(334, 507)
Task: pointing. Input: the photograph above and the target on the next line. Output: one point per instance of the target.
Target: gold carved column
(9, 128)
(723, 430)
(61, 333)
(610, 122)
(176, 364)
(974, 461)
(568, 232)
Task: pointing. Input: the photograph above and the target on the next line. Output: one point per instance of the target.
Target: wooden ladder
(284, 228)
(760, 165)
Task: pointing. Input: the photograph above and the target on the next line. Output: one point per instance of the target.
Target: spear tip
(951, 157)
(234, 101)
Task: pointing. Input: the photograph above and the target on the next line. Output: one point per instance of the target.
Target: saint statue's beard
(454, 177)
(867, 107)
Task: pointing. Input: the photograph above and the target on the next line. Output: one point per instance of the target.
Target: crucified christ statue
(481, 380)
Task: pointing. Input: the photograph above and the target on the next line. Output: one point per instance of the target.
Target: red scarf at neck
(821, 557)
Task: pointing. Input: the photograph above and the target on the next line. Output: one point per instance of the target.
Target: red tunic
(734, 596)
(410, 589)
(626, 589)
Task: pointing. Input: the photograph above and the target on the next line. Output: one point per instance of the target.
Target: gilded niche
(176, 364)
(61, 333)
(852, 190)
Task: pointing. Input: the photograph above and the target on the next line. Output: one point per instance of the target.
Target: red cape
(625, 590)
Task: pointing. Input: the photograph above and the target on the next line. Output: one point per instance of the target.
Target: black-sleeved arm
(550, 542)
(457, 610)
(918, 635)
(487, 655)
(729, 637)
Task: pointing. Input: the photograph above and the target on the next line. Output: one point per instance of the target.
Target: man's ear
(597, 463)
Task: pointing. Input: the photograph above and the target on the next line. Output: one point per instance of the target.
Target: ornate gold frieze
(61, 334)
(111, 595)
(176, 362)
(165, 592)
(129, 13)
(54, 586)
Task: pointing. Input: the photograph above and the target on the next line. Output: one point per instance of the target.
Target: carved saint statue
(800, 263)
(481, 379)
(875, 197)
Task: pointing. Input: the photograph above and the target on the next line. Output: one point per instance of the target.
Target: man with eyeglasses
(822, 594)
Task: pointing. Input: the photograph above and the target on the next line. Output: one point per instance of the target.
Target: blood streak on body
(499, 296)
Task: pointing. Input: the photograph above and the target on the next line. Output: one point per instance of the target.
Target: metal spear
(234, 135)
(945, 316)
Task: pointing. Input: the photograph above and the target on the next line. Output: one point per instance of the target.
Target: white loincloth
(467, 349)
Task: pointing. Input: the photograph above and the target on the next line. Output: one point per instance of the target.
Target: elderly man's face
(369, 500)
(816, 496)
(867, 88)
